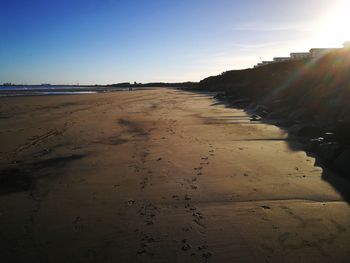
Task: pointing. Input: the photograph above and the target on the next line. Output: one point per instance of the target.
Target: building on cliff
(263, 63)
(299, 55)
(280, 59)
(316, 52)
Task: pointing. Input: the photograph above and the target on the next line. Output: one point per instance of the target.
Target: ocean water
(12, 91)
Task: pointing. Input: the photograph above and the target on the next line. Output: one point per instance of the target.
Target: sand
(161, 176)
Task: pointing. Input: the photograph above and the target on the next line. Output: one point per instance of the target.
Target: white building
(263, 63)
(281, 59)
(299, 55)
(316, 52)
(266, 62)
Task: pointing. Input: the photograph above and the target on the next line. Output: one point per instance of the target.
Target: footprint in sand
(130, 202)
(187, 198)
(144, 183)
(77, 223)
(175, 197)
(144, 249)
(185, 246)
(187, 228)
(205, 254)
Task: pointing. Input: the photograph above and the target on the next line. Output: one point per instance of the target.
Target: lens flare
(333, 29)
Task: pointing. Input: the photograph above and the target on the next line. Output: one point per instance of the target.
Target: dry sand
(161, 176)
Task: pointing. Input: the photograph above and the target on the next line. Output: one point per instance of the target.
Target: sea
(40, 90)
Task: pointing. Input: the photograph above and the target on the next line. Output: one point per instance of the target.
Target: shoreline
(63, 91)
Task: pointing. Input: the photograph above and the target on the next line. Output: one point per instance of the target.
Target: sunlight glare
(334, 29)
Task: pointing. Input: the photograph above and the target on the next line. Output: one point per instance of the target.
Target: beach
(160, 175)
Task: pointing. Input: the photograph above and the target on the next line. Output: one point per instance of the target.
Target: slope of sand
(161, 176)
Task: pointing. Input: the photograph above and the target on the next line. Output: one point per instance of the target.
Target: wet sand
(161, 176)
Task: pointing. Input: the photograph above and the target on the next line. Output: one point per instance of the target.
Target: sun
(334, 27)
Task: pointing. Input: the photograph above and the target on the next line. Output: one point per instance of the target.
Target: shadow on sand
(21, 177)
(339, 183)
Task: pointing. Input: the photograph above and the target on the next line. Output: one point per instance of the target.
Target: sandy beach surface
(160, 175)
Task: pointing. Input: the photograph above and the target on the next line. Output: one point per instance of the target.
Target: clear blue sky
(106, 41)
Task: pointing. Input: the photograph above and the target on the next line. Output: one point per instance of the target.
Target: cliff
(311, 97)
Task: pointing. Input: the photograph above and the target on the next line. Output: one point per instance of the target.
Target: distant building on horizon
(280, 59)
(299, 55)
(313, 53)
(316, 52)
(263, 63)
